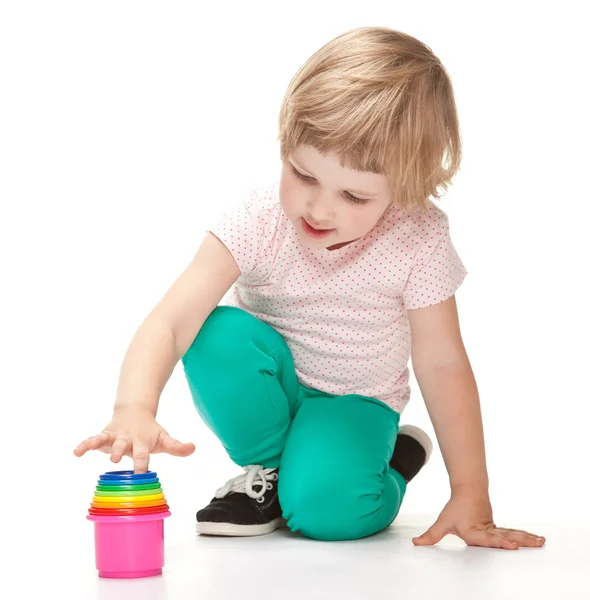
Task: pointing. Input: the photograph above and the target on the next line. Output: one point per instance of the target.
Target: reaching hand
(470, 518)
(134, 432)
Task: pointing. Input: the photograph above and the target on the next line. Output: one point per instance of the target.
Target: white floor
(284, 565)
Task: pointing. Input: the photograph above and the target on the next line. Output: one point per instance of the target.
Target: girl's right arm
(157, 346)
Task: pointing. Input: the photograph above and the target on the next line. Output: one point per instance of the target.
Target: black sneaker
(246, 505)
(412, 450)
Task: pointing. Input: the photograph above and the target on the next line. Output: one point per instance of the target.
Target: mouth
(313, 232)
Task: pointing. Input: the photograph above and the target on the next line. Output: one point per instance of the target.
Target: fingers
(141, 457)
(488, 538)
(174, 447)
(120, 447)
(138, 449)
(500, 540)
(507, 539)
(430, 537)
(522, 538)
(95, 442)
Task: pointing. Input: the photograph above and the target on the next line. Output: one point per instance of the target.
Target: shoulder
(431, 223)
(263, 206)
(263, 200)
(413, 230)
(255, 209)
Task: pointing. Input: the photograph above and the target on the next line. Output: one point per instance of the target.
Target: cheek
(288, 195)
(362, 219)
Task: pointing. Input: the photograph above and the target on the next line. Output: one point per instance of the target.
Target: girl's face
(330, 205)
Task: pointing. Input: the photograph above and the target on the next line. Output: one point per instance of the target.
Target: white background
(126, 126)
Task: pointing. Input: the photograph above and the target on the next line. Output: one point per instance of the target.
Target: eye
(301, 175)
(355, 199)
(347, 195)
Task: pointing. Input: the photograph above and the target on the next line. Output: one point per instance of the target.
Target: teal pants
(335, 482)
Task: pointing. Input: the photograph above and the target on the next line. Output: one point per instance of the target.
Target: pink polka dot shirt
(342, 312)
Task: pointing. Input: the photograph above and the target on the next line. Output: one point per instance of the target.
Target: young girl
(303, 375)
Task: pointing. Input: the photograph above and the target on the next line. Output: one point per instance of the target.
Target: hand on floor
(470, 518)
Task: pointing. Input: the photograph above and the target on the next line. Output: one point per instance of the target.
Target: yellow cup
(95, 504)
(116, 499)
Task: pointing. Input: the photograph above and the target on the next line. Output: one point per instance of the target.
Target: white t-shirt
(342, 312)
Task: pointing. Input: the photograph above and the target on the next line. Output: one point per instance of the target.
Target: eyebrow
(347, 189)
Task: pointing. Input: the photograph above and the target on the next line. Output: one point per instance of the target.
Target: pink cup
(129, 546)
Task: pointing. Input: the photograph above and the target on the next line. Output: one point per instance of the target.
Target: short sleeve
(437, 273)
(242, 230)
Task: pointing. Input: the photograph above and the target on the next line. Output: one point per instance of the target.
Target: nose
(320, 210)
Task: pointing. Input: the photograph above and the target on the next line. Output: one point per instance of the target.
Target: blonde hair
(384, 102)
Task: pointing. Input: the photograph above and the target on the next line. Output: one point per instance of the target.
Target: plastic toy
(128, 510)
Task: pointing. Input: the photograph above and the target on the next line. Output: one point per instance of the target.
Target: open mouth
(313, 232)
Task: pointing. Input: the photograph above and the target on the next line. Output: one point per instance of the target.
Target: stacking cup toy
(128, 510)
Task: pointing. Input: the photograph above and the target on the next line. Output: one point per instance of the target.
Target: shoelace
(254, 475)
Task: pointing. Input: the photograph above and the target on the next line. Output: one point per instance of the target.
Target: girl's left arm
(449, 389)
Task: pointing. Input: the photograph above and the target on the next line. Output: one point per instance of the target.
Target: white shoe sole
(230, 529)
(420, 436)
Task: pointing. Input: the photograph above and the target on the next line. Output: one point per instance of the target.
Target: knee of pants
(219, 341)
(331, 506)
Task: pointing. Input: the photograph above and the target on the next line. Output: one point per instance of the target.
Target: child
(303, 375)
